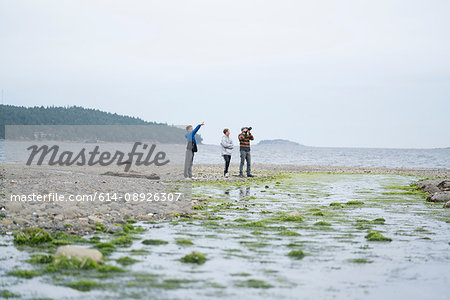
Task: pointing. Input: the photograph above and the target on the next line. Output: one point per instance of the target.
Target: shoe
(187, 178)
(226, 175)
(241, 175)
(250, 175)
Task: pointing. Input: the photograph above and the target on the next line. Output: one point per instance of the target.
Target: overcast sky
(321, 73)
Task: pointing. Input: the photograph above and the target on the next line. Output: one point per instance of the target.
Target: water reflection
(244, 192)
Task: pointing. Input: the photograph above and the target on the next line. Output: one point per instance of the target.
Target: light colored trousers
(188, 162)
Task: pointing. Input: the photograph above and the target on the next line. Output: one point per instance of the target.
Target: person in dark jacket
(244, 142)
(190, 149)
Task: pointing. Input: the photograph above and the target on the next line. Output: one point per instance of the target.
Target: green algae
(32, 237)
(254, 283)
(62, 238)
(7, 294)
(194, 257)
(253, 224)
(286, 217)
(184, 242)
(360, 261)
(297, 254)
(252, 244)
(406, 188)
(73, 263)
(139, 252)
(130, 228)
(322, 223)
(362, 222)
(154, 242)
(41, 259)
(100, 227)
(171, 284)
(413, 192)
(288, 233)
(240, 220)
(379, 221)
(27, 274)
(354, 202)
(84, 285)
(109, 269)
(123, 241)
(242, 274)
(126, 260)
(199, 207)
(105, 248)
(375, 236)
(335, 205)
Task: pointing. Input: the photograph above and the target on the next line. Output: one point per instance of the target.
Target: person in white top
(227, 148)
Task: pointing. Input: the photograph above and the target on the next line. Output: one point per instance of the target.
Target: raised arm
(197, 128)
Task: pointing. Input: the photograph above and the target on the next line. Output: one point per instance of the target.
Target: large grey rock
(78, 252)
(444, 185)
(422, 183)
(431, 188)
(114, 229)
(439, 197)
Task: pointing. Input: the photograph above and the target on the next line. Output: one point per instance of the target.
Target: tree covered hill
(76, 115)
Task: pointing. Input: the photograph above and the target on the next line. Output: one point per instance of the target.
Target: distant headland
(76, 115)
(278, 142)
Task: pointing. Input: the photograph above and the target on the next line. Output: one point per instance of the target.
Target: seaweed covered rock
(194, 258)
(444, 185)
(439, 197)
(447, 205)
(375, 236)
(32, 236)
(428, 182)
(78, 252)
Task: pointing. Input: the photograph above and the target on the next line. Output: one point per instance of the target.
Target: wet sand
(130, 197)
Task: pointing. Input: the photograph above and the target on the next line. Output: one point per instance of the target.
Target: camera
(249, 128)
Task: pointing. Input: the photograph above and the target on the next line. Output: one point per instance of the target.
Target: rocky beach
(52, 215)
(330, 222)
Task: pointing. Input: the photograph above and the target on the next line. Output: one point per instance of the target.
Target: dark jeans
(227, 163)
(245, 156)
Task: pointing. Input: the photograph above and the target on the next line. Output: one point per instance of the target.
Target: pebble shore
(81, 217)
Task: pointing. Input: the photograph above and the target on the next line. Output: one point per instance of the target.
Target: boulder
(422, 183)
(114, 229)
(431, 188)
(447, 205)
(78, 252)
(439, 197)
(444, 185)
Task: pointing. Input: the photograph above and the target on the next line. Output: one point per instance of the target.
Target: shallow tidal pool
(297, 236)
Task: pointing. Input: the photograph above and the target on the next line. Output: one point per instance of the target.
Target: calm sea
(352, 157)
